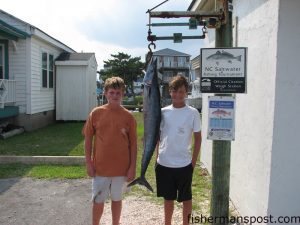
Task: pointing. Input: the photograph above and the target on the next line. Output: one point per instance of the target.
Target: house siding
(72, 79)
(92, 69)
(76, 89)
(285, 181)
(17, 71)
(252, 149)
(42, 99)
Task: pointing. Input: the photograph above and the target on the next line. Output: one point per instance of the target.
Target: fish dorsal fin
(227, 53)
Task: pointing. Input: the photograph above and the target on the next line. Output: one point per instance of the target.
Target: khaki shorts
(103, 187)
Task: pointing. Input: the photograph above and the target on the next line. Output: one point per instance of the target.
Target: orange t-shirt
(114, 132)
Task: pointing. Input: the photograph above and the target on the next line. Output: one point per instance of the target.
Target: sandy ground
(26, 201)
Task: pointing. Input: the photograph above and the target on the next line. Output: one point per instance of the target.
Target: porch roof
(10, 32)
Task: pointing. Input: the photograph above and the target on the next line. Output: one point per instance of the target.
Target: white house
(27, 73)
(265, 165)
(137, 86)
(169, 64)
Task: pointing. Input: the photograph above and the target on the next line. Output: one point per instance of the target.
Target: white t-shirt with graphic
(176, 131)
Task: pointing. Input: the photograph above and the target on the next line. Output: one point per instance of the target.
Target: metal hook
(149, 54)
(149, 46)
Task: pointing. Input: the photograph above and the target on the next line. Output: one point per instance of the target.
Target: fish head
(151, 73)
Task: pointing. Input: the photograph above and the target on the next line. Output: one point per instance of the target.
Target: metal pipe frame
(178, 14)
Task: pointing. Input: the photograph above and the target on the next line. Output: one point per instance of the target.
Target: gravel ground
(26, 201)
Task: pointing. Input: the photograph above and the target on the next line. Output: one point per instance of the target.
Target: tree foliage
(123, 65)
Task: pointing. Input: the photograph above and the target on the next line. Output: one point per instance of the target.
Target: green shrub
(138, 100)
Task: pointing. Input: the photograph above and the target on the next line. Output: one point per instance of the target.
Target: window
(167, 61)
(47, 70)
(1, 62)
(44, 70)
(51, 71)
(181, 61)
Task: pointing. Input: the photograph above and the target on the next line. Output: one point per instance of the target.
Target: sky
(104, 27)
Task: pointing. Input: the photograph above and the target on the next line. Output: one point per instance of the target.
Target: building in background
(138, 86)
(28, 73)
(169, 64)
(76, 86)
(195, 97)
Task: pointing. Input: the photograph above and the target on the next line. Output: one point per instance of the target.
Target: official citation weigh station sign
(221, 118)
(223, 70)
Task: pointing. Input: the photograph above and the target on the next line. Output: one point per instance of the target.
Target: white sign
(221, 118)
(223, 70)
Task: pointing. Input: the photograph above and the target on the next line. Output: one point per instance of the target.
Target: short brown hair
(115, 83)
(177, 82)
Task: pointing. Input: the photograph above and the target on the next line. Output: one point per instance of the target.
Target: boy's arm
(197, 145)
(132, 167)
(157, 150)
(133, 153)
(88, 142)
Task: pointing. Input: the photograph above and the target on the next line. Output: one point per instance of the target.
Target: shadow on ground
(7, 183)
(11, 174)
(41, 202)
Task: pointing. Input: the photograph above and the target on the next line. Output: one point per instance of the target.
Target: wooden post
(221, 149)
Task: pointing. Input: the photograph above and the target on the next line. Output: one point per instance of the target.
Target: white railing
(173, 64)
(7, 92)
(167, 79)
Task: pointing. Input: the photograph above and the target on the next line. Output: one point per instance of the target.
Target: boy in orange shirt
(111, 159)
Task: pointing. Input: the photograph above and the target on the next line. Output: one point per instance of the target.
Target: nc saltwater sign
(223, 70)
(221, 119)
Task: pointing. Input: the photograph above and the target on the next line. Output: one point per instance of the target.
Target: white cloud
(103, 27)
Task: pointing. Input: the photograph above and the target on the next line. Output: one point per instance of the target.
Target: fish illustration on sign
(220, 112)
(152, 117)
(225, 56)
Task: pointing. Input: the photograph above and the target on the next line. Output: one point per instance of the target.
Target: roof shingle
(169, 52)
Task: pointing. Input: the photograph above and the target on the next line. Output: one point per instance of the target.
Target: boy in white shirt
(175, 162)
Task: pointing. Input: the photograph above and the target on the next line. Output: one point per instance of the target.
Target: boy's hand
(130, 174)
(193, 163)
(90, 169)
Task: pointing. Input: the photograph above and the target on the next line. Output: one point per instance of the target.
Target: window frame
(2, 76)
(46, 70)
(4, 44)
(51, 81)
(182, 61)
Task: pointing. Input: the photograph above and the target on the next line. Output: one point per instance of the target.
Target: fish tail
(141, 181)
(239, 58)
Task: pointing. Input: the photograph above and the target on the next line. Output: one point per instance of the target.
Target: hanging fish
(152, 118)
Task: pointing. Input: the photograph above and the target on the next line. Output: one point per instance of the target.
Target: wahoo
(152, 117)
